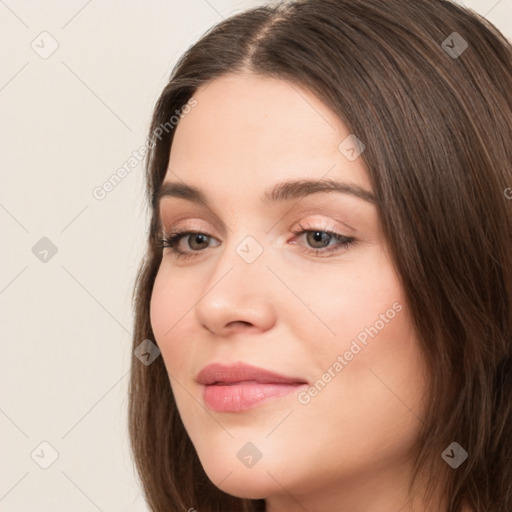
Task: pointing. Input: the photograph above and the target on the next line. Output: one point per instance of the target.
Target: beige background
(69, 120)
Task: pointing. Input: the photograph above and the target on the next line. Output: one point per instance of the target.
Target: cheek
(362, 316)
(346, 301)
(384, 376)
(375, 395)
(161, 308)
(170, 304)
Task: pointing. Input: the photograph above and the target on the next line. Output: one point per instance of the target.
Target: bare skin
(292, 310)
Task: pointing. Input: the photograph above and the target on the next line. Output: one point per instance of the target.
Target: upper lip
(217, 373)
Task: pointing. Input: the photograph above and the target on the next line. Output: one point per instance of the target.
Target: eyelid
(203, 214)
(312, 224)
(179, 226)
(343, 242)
(322, 214)
(195, 220)
(322, 225)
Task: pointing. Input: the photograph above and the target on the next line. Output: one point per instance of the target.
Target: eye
(195, 241)
(320, 240)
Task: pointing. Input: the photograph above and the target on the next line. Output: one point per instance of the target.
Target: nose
(238, 296)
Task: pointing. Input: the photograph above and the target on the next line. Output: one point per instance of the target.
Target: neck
(375, 491)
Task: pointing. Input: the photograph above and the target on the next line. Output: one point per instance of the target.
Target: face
(297, 283)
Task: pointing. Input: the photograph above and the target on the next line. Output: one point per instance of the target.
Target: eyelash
(171, 241)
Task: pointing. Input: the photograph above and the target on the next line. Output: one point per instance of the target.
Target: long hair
(427, 86)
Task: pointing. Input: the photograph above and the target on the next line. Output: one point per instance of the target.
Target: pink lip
(239, 387)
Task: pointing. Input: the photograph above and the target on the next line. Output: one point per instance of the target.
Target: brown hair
(437, 126)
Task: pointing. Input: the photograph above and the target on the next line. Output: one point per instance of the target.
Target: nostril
(240, 322)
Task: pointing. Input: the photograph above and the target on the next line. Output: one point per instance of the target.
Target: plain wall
(69, 120)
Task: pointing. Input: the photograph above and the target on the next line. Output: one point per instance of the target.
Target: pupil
(199, 239)
(320, 237)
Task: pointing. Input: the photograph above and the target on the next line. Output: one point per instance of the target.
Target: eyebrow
(284, 191)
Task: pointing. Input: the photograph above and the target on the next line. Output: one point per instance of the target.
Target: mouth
(240, 387)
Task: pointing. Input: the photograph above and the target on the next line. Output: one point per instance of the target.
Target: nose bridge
(238, 288)
(243, 259)
(246, 236)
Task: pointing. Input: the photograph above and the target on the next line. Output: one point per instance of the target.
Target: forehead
(250, 131)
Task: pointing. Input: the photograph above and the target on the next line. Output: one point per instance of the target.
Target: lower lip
(244, 395)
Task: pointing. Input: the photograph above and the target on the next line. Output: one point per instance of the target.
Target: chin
(245, 488)
(250, 483)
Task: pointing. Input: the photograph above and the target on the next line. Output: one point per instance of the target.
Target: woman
(329, 265)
